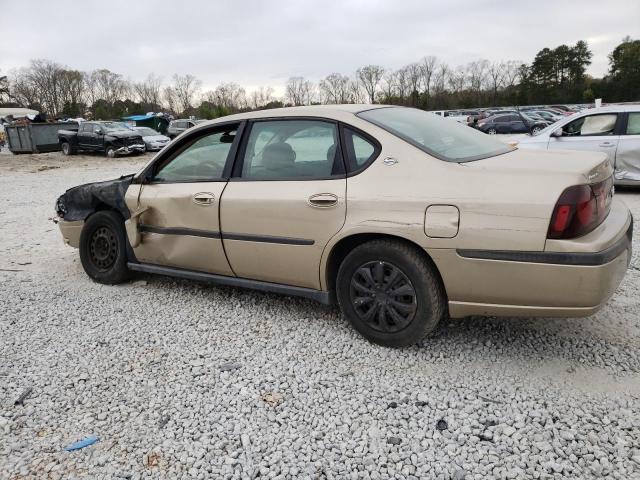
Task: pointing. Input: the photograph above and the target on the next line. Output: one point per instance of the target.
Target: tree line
(556, 75)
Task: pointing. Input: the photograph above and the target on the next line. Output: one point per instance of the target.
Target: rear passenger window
(292, 149)
(359, 150)
(633, 125)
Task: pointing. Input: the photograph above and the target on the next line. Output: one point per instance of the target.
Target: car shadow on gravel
(532, 339)
(482, 339)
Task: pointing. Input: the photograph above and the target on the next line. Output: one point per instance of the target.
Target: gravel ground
(181, 379)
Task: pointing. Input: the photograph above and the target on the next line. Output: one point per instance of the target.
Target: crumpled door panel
(628, 158)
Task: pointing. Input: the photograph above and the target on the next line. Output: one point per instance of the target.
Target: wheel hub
(103, 248)
(383, 296)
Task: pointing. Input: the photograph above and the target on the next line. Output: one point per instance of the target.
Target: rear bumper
(547, 284)
(71, 232)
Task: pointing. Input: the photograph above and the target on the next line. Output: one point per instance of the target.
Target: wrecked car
(111, 138)
(153, 141)
(401, 217)
(613, 130)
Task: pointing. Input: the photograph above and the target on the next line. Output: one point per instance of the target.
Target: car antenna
(524, 120)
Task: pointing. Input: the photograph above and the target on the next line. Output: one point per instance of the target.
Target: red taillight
(580, 209)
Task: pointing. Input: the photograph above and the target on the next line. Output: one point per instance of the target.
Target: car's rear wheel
(103, 248)
(492, 131)
(390, 293)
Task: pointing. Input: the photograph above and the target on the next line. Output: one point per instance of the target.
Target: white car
(153, 141)
(613, 130)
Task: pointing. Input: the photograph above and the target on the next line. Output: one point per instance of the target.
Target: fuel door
(441, 221)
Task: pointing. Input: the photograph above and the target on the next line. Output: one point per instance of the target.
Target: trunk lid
(577, 167)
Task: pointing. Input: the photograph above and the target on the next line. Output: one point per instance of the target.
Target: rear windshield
(443, 138)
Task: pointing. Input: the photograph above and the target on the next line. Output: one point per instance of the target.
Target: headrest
(278, 155)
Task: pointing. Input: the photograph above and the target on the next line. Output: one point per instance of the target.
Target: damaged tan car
(399, 216)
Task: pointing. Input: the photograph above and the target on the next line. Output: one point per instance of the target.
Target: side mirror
(100, 132)
(556, 133)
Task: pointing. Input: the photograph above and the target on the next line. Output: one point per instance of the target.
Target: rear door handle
(323, 200)
(606, 144)
(204, 198)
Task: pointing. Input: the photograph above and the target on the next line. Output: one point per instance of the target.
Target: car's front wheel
(536, 130)
(492, 131)
(67, 149)
(110, 152)
(390, 293)
(103, 248)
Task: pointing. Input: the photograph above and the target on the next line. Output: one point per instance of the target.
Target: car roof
(613, 108)
(326, 111)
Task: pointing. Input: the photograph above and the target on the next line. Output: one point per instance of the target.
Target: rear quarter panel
(500, 208)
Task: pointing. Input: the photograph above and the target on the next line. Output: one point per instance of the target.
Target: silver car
(153, 141)
(613, 130)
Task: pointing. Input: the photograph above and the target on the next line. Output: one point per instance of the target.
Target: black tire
(110, 152)
(67, 148)
(103, 248)
(404, 268)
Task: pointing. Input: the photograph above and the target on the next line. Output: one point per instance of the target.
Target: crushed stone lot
(179, 379)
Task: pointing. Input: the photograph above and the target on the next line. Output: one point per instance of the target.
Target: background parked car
(613, 130)
(153, 141)
(510, 123)
(176, 127)
(461, 116)
(547, 115)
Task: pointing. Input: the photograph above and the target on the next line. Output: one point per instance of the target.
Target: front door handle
(323, 200)
(606, 144)
(204, 198)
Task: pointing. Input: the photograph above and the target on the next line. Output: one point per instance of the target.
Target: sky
(262, 43)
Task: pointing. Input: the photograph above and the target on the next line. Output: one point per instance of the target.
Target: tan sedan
(400, 216)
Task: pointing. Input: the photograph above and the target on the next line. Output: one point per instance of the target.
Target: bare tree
(49, 86)
(185, 88)
(477, 75)
(495, 73)
(414, 78)
(23, 91)
(403, 82)
(457, 79)
(4, 89)
(428, 67)
(370, 76)
(441, 78)
(109, 86)
(260, 97)
(356, 93)
(170, 98)
(299, 91)
(72, 87)
(149, 91)
(335, 89)
(389, 85)
(511, 72)
(227, 95)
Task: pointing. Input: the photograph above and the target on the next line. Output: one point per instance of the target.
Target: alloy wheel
(103, 248)
(383, 296)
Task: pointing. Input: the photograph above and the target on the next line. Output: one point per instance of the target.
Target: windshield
(110, 126)
(444, 139)
(147, 132)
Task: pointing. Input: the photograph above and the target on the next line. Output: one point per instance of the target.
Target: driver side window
(201, 160)
(603, 124)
